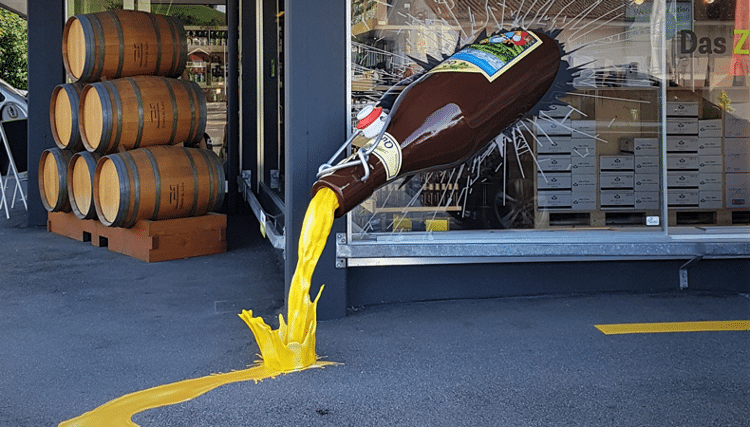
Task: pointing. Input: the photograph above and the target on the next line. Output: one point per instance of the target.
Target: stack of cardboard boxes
(566, 155)
(737, 158)
(694, 158)
(646, 176)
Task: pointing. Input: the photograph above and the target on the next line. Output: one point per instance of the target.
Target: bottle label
(389, 153)
(492, 56)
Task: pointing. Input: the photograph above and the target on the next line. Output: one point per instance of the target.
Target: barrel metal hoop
(132, 171)
(73, 97)
(98, 41)
(118, 111)
(222, 179)
(62, 176)
(106, 103)
(139, 103)
(175, 113)
(90, 160)
(154, 24)
(203, 118)
(124, 177)
(212, 185)
(176, 48)
(120, 44)
(157, 183)
(90, 43)
(183, 53)
(193, 135)
(195, 181)
(42, 185)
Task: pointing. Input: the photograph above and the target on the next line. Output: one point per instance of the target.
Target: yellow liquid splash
(290, 348)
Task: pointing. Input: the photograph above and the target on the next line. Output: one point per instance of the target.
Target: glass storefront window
(707, 112)
(651, 131)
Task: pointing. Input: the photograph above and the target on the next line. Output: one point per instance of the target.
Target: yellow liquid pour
(290, 348)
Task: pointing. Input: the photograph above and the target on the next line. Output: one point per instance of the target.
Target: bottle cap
(367, 116)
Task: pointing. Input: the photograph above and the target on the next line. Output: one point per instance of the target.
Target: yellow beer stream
(290, 348)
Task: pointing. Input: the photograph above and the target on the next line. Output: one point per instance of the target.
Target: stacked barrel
(117, 127)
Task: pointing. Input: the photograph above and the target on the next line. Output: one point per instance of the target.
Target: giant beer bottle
(450, 113)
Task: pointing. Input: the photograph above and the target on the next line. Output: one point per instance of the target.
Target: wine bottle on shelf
(447, 115)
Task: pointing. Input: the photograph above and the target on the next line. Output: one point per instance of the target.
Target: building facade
(634, 176)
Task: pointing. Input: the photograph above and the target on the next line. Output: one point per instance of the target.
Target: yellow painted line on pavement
(652, 328)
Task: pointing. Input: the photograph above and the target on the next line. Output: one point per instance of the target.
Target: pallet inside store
(149, 241)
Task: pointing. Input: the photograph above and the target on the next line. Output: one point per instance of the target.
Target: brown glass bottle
(444, 118)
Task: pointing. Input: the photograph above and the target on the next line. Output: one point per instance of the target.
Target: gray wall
(316, 33)
(378, 285)
(46, 21)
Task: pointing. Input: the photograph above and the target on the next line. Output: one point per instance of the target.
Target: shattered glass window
(644, 87)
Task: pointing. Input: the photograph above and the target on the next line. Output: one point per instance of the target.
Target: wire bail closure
(363, 155)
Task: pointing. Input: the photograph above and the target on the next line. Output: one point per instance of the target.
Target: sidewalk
(81, 325)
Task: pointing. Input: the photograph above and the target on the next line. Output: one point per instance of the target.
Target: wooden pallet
(150, 241)
(565, 218)
(592, 219)
(700, 217)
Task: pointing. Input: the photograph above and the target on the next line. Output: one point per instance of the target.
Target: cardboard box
(587, 127)
(624, 162)
(647, 164)
(558, 111)
(736, 126)
(580, 192)
(710, 199)
(583, 180)
(552, 127)
(554, 199)
(682, 198)
(709, 147)
(583, 165)
(682, 109)
(737, 163)
(554, 162)
(736, 146)
(553, 145)
(710, 164)
(583, 147)
(682, 143)
(682, 162)
(647, 182)
(617, 198)
(616, 180)
(712, 128)
(683, 179)
(679, 126)
(711, 182)
(584, 186)
(647, 200)
(583, 206)
(737, 190)
(640, 146)
(553, 181)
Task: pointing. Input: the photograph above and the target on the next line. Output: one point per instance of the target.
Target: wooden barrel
(53, 179)
(123, 43)
(141, 111)
(157, 183)
(81, 184)
(63, 116)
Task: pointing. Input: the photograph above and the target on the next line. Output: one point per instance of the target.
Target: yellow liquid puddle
(287, 349)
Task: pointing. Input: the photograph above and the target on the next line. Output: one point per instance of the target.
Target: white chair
(14, 135)
(3, 202)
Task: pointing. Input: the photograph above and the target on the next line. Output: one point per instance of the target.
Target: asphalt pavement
(80, 326)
